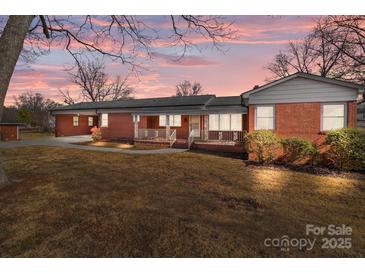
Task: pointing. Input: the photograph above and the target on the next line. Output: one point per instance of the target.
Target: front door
(195, 125)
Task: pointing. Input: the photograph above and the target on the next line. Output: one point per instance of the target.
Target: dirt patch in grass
(119, 145)
(74, 203)
(234, 202)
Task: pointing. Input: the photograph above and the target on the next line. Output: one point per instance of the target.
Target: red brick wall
(65, 127)
(120, 126)
(301, 119)
(8, 132)
(251, 118)
(351, 114)
(220, 148)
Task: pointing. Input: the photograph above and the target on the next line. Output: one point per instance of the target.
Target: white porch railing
(173, 138)
(157, 135)
(149, 133)
(226, 136)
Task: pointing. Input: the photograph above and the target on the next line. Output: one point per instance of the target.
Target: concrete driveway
(67, 142)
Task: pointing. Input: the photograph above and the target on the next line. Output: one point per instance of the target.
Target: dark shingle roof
(225, 101)
(178, 104)
(141, 103)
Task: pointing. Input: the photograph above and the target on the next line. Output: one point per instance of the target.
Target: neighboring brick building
(302, 105)
(9, 131)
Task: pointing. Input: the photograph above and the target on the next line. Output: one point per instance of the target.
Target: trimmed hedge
(296, 148)
(263, 143)
(346, 148)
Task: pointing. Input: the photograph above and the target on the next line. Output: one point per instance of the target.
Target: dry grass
(72, 203)
(34, 135)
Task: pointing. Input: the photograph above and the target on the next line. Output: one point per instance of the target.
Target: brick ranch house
(301, 104)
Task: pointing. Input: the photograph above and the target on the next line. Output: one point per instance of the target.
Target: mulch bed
(317, 170)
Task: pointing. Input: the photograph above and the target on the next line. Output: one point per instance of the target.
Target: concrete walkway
(66, 142)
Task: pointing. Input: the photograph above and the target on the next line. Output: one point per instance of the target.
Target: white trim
(78, 120)
(88, 121)
(345, 122)
(274, 115)
(101, 120)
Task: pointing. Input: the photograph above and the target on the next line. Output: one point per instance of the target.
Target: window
(225, 122)
(264, 117)
(75, 121)
(214, 122)
(162, 120)
(175, 120)
(236, 122)
(333, 116)
(104, 119)
(91, 121)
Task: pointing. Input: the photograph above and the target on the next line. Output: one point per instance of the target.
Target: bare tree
(38, 108)
(348, 37)
(349, 29)
(11, 44)
(121, 38)
(185, 88)
(67, 98)
(315, 54)
(298, 57)
(95, 84)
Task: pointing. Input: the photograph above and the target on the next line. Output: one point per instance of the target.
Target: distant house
(9, 127)
(299, 105)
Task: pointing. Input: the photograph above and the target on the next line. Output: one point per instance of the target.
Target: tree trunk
(11, 44)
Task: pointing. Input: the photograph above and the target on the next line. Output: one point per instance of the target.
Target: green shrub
(296, 148)
(96, 134)
(263, 143)
(346, 148)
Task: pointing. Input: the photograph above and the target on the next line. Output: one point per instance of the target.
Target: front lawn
(73, 203)
(137, 146)
(33, 135)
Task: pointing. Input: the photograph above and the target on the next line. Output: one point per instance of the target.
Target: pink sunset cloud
(229, 72)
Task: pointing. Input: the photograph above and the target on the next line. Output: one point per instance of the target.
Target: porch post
(167, 126)
(135, 120)
(206, 126)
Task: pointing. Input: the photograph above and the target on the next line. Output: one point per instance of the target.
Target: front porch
(185, 131)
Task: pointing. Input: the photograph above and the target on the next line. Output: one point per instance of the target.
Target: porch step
(180, 143)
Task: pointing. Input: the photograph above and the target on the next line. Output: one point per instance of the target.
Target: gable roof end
(306, 76)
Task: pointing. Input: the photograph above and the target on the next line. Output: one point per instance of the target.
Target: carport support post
(167, 126)
(206, 121)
